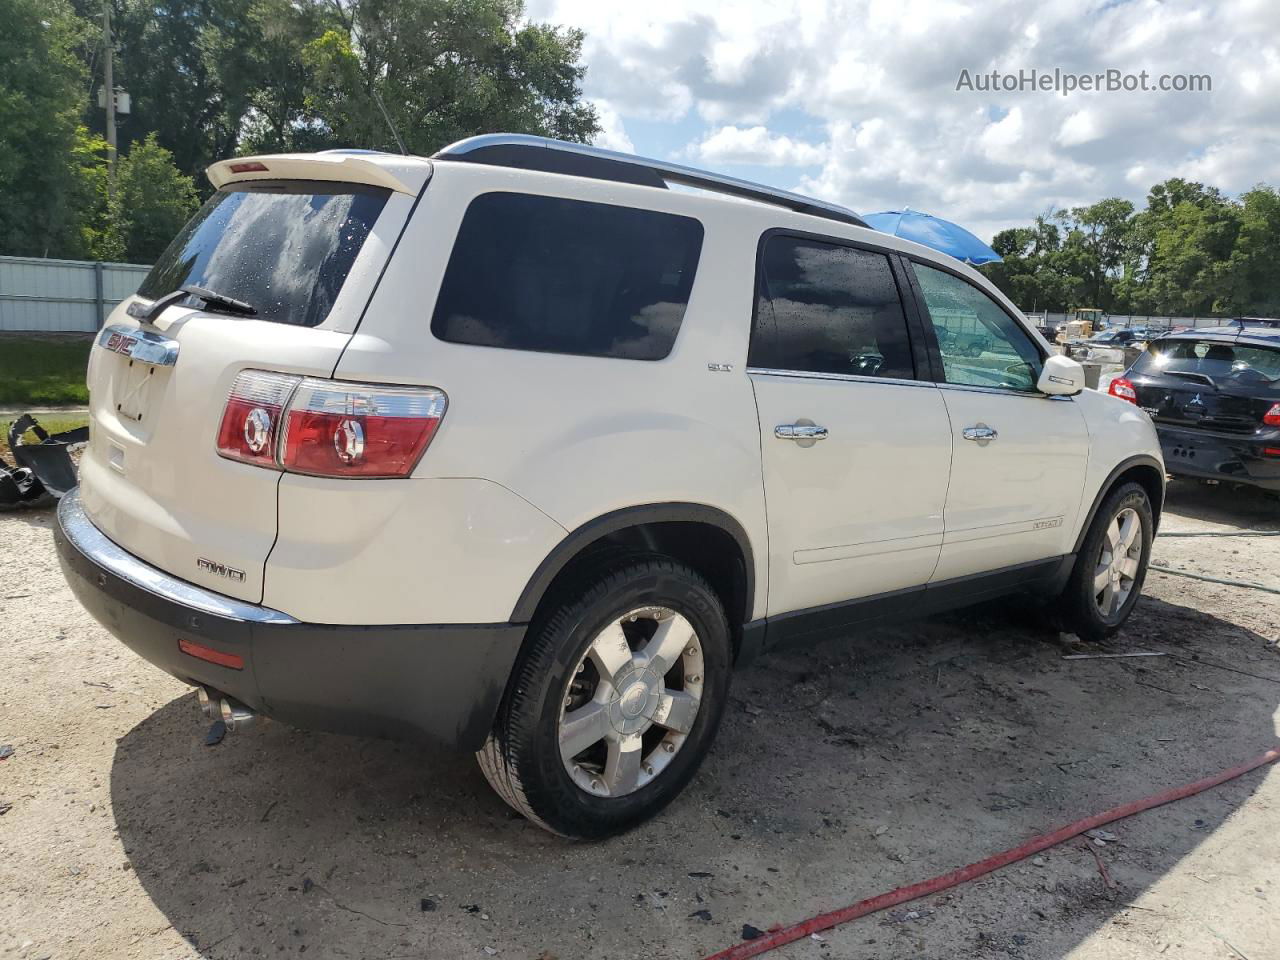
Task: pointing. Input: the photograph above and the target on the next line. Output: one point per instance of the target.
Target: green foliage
(211, 79)
(43, 81)
(39, 372)
(444, 69)
(1192, 251)
(152, 201)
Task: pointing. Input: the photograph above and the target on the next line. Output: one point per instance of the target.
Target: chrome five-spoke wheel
(1118, 562)
(631, 701)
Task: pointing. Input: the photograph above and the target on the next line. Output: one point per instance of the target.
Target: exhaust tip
(235, 715)
(206, 702)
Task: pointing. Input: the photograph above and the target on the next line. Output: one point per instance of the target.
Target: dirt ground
(841, 772)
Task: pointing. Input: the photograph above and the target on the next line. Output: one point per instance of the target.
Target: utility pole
(109, 89)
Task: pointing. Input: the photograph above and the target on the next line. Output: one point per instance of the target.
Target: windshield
(1213, 359)
(284, 247)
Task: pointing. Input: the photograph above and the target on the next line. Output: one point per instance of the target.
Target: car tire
(1105, 584)
(639, 653)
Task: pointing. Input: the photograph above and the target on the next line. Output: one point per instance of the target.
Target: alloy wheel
(631, 701)
(1118, 562)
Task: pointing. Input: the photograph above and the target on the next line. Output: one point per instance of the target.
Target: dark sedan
(1214, 396)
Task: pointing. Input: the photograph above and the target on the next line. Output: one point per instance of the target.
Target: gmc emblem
(119, 343)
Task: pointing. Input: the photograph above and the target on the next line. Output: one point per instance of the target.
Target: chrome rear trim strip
(94, 544)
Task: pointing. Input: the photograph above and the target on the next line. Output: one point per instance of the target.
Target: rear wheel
(615, 700)
(1111, 565)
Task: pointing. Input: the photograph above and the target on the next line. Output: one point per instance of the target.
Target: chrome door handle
(981, 433)
(800, 431)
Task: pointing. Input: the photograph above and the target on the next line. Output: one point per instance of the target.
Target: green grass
(36, 372)
(49, 424)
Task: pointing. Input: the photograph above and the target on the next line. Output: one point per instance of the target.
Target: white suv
(524, 446)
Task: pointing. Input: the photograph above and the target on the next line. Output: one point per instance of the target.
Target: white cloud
(866, 91)
(755, 145)
(613, 132)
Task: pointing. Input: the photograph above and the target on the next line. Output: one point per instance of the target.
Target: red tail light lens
(336, 429)
(253, 416)
(1122, 388)
(328, 428)
(1272, 417)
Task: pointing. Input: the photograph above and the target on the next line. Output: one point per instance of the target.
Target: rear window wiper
(219, 301)
(210, 298)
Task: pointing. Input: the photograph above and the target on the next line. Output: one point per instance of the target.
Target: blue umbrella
(933, 232)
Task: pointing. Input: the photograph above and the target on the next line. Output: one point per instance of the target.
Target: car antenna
(387, 117)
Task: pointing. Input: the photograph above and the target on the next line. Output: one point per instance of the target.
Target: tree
(188, 67)
(217, 78)
(48, 192)
(443, 70)
(152, 201)
(1104, 229)
(1191, 242)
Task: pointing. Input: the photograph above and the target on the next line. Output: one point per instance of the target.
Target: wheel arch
(1142, 469)
(706, 538)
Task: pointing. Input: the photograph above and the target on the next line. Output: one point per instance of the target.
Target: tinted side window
(825, 308)
(568, 276)
(981, 345)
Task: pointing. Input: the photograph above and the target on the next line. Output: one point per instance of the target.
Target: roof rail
(582, 160)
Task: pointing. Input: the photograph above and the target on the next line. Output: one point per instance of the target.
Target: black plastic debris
(217, 730)
(751, 933)
(41, 471)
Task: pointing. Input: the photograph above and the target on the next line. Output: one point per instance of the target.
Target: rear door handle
(800, 431)
(980, 433)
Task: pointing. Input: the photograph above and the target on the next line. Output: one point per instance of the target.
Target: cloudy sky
(856, 100)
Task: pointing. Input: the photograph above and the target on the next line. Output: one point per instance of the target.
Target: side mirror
(1061, 377)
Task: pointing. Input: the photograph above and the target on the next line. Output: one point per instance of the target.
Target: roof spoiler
(338, 166)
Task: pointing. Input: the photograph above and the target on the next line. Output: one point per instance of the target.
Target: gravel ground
(841, 771)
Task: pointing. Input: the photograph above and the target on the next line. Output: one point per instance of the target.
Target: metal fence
(1132, 320)
(62, 295)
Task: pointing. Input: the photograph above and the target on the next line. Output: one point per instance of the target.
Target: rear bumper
(1212, 456)
(441, 683)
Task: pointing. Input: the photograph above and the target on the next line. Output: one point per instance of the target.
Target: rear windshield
(1213, 359)
(568, 276)
(284, 247)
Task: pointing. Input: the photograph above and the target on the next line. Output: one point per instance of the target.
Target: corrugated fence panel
(62, 295)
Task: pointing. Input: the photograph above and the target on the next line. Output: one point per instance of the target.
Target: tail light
(1124, 389)
(328, 428)
(337, 429)
(253, 416)
(1272, 417)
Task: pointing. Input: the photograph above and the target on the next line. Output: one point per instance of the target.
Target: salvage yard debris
(41, 471)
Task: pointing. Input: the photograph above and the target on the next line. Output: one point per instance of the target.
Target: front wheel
(615, 700)
(1111, 565)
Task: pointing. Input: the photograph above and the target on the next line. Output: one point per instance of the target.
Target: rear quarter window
(568, 276)
(284, 247)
